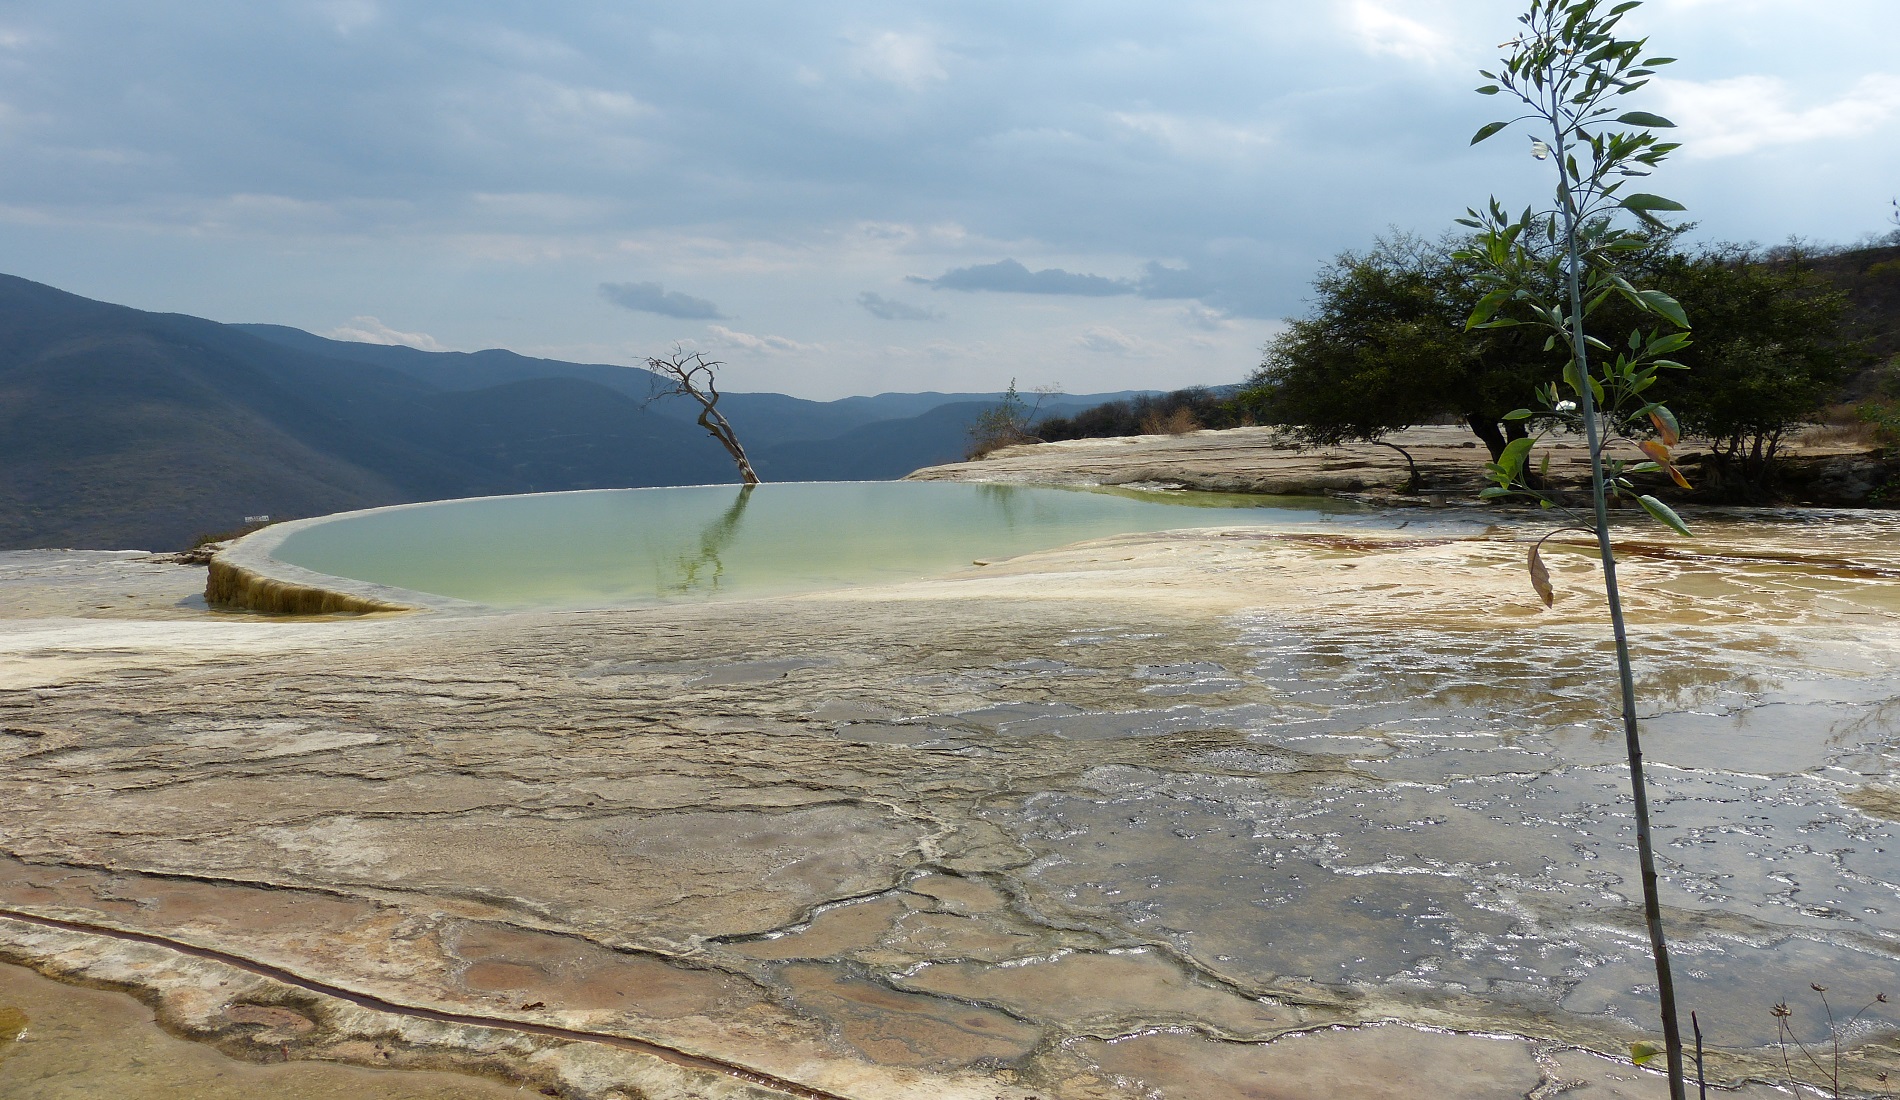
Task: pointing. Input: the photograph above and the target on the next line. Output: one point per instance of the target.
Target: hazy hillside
(1871, 278)
(880, 450)
(763, 419)
(124, 428)
(120, 428)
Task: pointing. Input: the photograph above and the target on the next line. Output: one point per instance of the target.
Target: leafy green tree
(1882, 411)
(1385, 348)
(1768, 355)
(1568, 68)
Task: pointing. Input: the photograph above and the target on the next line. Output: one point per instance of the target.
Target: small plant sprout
(1799, 1057)
(1568, 69)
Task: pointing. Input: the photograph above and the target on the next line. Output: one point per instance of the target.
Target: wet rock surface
(1177, 815)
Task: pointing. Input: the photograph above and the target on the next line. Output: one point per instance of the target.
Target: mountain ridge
(125, 428)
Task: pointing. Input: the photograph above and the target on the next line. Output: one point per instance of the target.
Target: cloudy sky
(843, 197)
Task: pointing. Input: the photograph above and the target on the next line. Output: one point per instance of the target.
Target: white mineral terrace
(1204, 815)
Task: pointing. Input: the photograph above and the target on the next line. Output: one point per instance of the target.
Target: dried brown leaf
(1540, 578)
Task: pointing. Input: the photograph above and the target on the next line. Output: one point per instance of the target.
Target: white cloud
(1195, 135)
(1104, 340)
(369, 330)
(1209, 320)
(909, 60)
(1726, 118)
(942, 351)
(590, 104)
(766, 345)
(349, 16)
(1381, 30)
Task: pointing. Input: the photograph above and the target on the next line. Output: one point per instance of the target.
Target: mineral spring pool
(630, 546)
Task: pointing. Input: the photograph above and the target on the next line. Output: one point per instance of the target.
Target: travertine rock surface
(1450, 464)
(1143, 817)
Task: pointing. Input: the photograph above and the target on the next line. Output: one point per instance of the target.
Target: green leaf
(1487, 130)
(1488, 89)
(1489, 305)
(1493, 492)
(1642, 203)
(1644, 1051)
(1512, 459)
(1665, 515)
(1644, 118)
(1664, 345)
(1519, 414)
(1658, 302)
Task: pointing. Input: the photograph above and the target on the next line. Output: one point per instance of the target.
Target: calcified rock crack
(1214, 815)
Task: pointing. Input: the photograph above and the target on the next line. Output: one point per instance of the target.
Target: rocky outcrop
(1449, 462)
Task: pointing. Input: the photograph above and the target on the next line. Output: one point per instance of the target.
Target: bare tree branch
(693, 375)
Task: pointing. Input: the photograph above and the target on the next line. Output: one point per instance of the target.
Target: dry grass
(1840, 426)
(1179, 422)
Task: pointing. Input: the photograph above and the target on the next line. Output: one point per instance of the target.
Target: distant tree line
(1150, 414)
(1014, 420)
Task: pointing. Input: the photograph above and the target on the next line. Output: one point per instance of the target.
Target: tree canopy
(1385, 347)
(1768, 352)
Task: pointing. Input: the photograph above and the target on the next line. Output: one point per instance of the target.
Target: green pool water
(623, 546)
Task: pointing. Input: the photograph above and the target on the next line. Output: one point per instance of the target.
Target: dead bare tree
(693, 375)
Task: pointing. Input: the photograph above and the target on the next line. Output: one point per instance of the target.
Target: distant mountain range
(120, 428)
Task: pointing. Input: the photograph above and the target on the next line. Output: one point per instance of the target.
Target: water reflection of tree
(1006, 498)
(702, 569)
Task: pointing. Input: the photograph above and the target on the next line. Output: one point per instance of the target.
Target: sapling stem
(1626, 678)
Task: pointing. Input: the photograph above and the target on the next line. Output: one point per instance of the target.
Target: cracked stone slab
(897, 848)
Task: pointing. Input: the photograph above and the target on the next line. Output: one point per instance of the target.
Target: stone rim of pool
(248, 575)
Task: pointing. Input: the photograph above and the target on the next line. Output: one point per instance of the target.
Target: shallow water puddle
(1476, 852)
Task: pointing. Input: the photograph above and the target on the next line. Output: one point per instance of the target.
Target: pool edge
(245, 577)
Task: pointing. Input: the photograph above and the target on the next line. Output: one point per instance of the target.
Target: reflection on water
(641, 545)
(699, 573)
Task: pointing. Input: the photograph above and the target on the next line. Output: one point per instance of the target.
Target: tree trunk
(1413, 482)
(713, 421)
(1486, 429)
